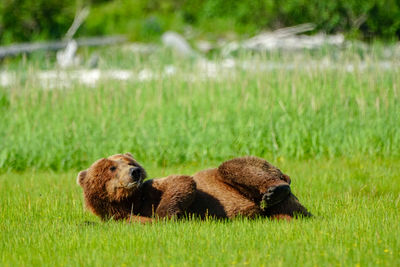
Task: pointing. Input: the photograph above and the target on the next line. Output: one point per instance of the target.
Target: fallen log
(26, 48)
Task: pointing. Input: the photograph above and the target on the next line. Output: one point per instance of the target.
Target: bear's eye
(113, 168)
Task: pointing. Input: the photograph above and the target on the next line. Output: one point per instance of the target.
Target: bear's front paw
(167, 212)
(275, 195)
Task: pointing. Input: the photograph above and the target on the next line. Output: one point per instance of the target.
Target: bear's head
(110, 184)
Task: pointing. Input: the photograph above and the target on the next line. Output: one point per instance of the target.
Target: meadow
(333, 129)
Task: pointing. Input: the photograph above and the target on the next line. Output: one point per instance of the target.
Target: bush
(24, 20)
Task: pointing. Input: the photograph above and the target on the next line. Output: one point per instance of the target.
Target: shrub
(24, 20)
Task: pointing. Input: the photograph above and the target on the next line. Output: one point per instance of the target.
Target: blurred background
(141, 20)
(196, 82)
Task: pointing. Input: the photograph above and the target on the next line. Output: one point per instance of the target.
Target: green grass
(295, 114)
(356, 203)
(333, 131)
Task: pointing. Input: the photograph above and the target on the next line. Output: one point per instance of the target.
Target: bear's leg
(256, 179)
(178, 195)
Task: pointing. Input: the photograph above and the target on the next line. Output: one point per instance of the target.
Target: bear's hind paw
(275, 195)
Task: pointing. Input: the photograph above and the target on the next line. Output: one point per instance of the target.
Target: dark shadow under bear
(249, 186)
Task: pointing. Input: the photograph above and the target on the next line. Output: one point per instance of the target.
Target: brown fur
(236, 187)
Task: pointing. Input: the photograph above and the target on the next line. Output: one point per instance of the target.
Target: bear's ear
(286, 178)
(81, 177)
(129, 154)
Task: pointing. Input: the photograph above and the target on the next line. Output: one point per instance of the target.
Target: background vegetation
(295, 113)
(25, 20)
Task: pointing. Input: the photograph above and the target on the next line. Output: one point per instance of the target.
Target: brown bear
(114, 187)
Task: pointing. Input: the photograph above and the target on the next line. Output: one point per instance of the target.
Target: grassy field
(334, 130)
(356, 203)
(294, 113)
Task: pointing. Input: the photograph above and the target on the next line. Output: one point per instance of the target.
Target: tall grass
(291, 113)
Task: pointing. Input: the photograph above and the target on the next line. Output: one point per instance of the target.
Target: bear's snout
(135, 173)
